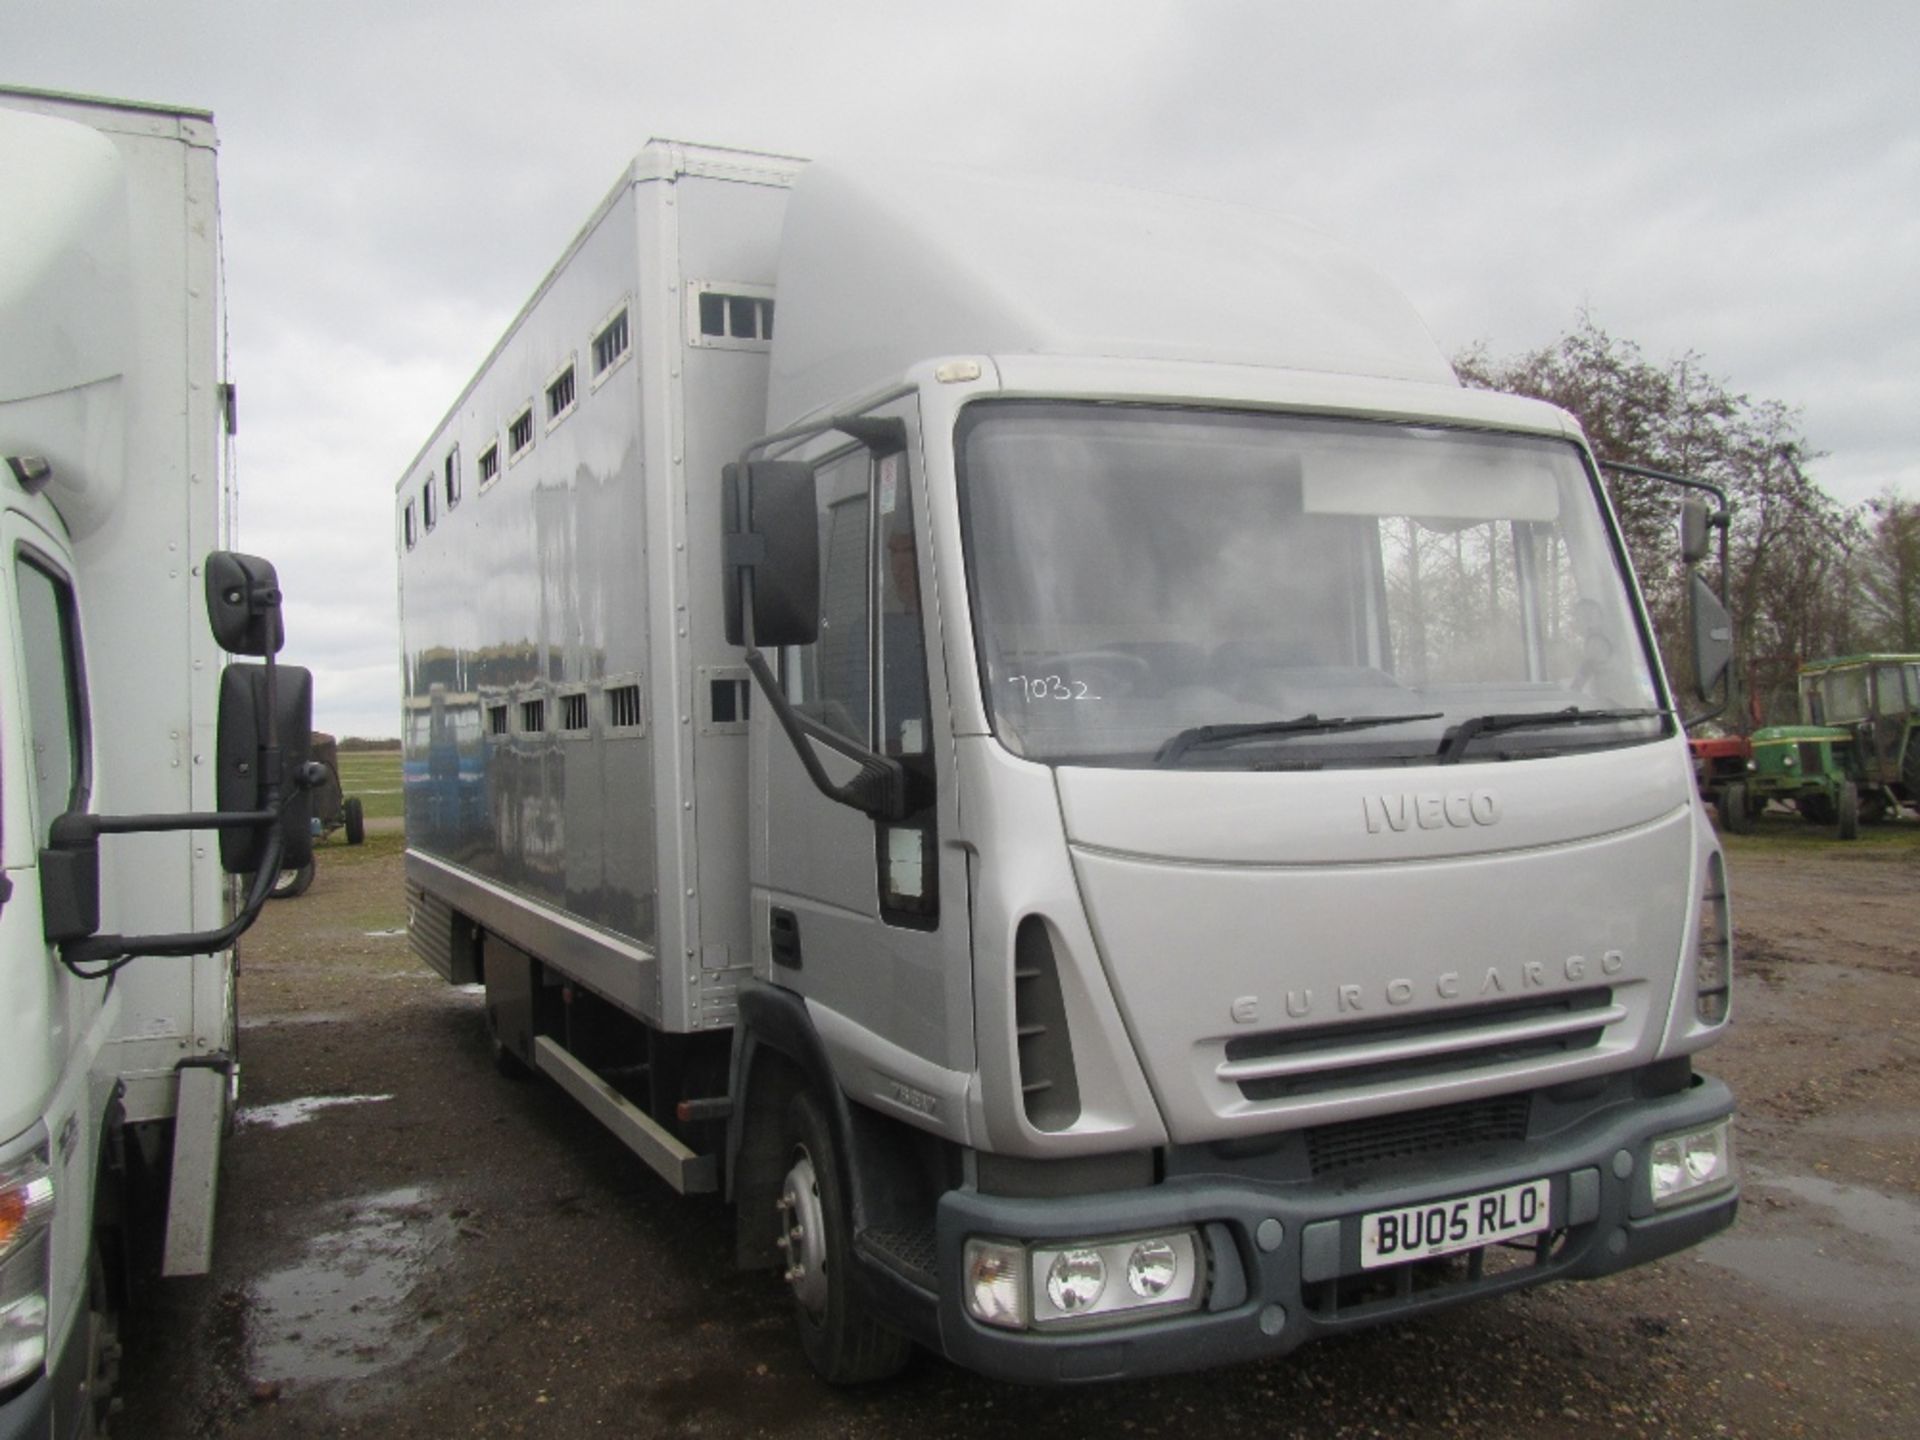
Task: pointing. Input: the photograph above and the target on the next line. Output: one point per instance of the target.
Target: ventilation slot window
(407, 527)
(610, 345)
(496, 719)
(573, 713)
(1049, 1089)
(519, 434)
(489, 465)
(623, 707)
(533, 717)
(452, 472)
(560, 395)
(727, 316)
(427, 512)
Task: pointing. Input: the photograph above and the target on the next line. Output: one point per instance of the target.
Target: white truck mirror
(242, 743)
(243, 603)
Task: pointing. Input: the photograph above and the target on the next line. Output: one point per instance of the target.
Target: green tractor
(1855, 755)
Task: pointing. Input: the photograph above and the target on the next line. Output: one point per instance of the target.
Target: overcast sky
(1737, 180)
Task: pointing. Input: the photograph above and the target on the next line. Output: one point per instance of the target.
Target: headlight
(1104, 1281)
(1713, 947)
(26, 1208)
(1691, 1165)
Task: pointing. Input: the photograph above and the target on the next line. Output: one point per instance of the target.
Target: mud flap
(199, 1123)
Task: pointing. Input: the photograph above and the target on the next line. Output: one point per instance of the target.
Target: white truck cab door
(867, 919)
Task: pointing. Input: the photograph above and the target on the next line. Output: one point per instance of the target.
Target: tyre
(1848, 811)
(356, 820)
(1816, 809)
(99, 1399)
(1735, 817)
(291, 883)
(844, 1346)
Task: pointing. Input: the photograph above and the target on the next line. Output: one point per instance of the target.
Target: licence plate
(1444, 1227)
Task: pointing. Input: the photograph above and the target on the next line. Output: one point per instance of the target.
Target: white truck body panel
(112, 373)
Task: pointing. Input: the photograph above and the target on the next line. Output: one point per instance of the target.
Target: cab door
(47, 771)
(866, 918)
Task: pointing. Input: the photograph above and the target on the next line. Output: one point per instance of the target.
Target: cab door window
(829, 680)
(55, 698)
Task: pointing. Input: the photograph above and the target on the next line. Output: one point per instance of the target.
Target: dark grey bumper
(1285, 1257)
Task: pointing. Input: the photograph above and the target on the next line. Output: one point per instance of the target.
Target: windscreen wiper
(1201, 736)
(1467, 731)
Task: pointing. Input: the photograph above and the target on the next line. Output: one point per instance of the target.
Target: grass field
(373, 775)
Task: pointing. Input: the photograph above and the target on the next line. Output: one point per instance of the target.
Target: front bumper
(1284, 1257)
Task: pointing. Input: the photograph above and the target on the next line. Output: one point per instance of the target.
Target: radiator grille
(1328, 1058)
(1355, 1143)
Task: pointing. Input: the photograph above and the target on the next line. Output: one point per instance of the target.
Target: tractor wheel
(1849, 811)
(356, 820)
(290, 884)
(1735, 817)
(844, 1344)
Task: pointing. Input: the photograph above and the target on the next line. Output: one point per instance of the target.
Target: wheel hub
(803, 1235)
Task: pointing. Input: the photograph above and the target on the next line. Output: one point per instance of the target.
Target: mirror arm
(879, 790)
(82, 832)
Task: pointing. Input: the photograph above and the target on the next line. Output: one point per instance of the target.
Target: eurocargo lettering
(1035, 738)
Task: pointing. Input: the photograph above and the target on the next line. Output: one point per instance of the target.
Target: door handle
(783, 933)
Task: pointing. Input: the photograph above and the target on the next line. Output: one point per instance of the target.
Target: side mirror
(1695, 530)
(772, 553)
(240, 784)
(243, 603)
(1712, 636)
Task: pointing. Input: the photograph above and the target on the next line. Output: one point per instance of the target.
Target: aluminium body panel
(574, 745)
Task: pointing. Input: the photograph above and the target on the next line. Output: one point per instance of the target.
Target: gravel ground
(411, 1245)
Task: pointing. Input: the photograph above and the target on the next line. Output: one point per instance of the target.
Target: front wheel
(356, 820)
(1848, 808)
(1735, 816)
(845, 1347)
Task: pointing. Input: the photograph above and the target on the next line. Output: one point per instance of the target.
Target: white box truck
(117, 1039)
(1120, 815)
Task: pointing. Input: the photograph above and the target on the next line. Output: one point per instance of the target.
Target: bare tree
(1791, 580)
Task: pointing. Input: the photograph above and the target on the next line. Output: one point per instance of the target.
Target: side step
(199, 1123)
(639, 1132)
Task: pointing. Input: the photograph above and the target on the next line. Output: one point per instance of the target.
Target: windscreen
(1146, 578)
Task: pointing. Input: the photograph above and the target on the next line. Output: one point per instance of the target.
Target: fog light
(1152, 1269)
(1078, 1283)
(996, 1288)
(1691, 1165)
(1076, 1280)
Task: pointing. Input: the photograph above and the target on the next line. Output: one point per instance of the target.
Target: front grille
(1325, 1058)
(1811, 762)
(1355, 1143)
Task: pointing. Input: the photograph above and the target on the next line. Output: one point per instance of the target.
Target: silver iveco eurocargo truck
(1036, 739)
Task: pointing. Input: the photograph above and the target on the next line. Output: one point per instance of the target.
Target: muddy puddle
(1844, 1252)
(341, 1318)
